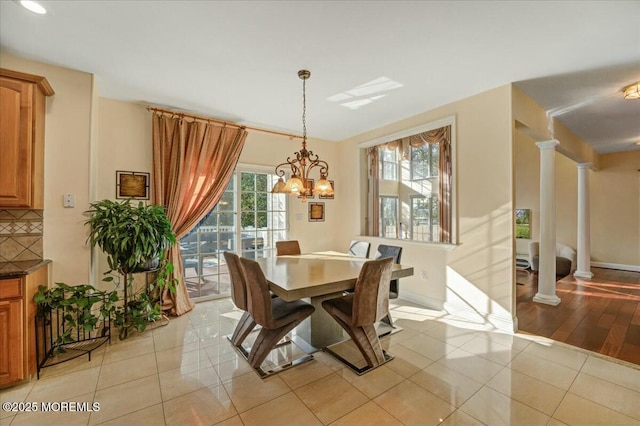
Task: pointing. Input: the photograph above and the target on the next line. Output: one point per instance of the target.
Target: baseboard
(618, 266)
(427, 302)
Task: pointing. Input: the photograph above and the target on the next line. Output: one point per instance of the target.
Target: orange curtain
(193, 161)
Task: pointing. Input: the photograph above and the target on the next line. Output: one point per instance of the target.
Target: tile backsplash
(21, 235)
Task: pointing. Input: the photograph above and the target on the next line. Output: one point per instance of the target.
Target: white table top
(316, 274)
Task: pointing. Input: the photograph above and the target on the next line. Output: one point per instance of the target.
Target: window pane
(261, 183)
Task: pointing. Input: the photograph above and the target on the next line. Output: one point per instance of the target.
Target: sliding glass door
(247, 220)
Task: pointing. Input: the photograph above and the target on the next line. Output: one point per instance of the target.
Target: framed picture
(523, 223)
(328, 197)
(316, 212)
(308, 185)
(132, 185)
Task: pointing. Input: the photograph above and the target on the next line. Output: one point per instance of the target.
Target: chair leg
(367, 341)
(267, 340)
(388, 320)
(244, 327)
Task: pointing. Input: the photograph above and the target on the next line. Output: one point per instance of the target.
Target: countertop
(23, 267)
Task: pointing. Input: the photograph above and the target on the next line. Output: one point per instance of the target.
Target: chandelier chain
(304, 109)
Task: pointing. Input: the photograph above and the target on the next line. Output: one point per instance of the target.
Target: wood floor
(602, 315)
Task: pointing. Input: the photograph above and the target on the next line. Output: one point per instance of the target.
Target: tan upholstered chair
(394, 252)
(359, 248)
(357, 312)
(239, 297)
(284, 248)
(276, 317)
(565, 258)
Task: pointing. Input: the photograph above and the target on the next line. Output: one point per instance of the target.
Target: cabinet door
(11, 341)
(16, 143)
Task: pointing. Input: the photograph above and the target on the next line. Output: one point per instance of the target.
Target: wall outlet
(423, 275)
(68, 201)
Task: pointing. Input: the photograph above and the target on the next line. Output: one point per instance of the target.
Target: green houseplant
(134, 238)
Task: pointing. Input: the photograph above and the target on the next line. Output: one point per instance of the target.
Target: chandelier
(303, 162)
(632, 91)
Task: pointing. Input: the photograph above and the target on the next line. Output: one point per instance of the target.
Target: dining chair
(358, 312)
(395, 253)
(239, 297)
(291, 247)
(276, 316)
(359, 248)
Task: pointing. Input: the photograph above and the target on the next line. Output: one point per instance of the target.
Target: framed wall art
(316, 212)
(132, 185)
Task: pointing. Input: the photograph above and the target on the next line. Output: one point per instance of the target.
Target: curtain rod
(227, 123)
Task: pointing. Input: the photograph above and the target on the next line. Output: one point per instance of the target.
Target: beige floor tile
(406, 362)
(532, 392)
(460, 418)
(614, 372)
(374, 382)
(65, 387)
(411, 404)
(128, 349)
(15, 394)
(618, 398)
(479, 369)
(205, 406)
(487, 348)
(367, 414)
(249, 390)
(331, 397)
(232, 421)
(517, 342)
(229, 370)
(541, 369)
(221, 352)
(304, 374)
(170, 359)
(328, 360)
(452, 335)
(448, 384)
(77, 414)
(126, 398)
(555, 422)
(575, 410)
(174, 383)
(559, 354)
(127, 370)
(153, 415)
(284, 410)
(493, 408)
(75, 365)
(173, 339)
(428, 346)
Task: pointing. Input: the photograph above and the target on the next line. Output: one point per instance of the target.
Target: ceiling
(372, 62)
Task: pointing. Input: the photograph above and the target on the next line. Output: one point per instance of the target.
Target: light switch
(68, 200)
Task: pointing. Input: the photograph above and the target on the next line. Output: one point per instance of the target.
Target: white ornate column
(547, 256)
(583, 269)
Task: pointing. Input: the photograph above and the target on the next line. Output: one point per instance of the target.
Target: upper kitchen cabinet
(22, 114)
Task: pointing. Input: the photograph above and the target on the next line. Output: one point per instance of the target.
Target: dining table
(317, 276)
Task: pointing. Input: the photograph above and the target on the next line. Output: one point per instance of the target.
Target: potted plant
(134, 238)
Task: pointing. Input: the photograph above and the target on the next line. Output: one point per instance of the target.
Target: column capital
(583, 165)
(550, 144)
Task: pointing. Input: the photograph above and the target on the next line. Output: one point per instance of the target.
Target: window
(389, 217)
(425, 218)
(523, 223)
(247, 220)
(389, 164)
(421, 198)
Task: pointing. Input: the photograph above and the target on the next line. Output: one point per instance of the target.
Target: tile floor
(446, 371)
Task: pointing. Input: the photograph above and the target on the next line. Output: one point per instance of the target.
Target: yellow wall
(615, 209)
(614, 188)
(68, 140)
(476, 276)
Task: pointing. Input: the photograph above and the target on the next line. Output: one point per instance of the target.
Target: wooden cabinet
(22, 112)
(17, 326)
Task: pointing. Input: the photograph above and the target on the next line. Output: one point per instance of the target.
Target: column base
(547, 299)
(585, 275)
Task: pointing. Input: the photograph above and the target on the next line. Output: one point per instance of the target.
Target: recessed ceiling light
(33, 6)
